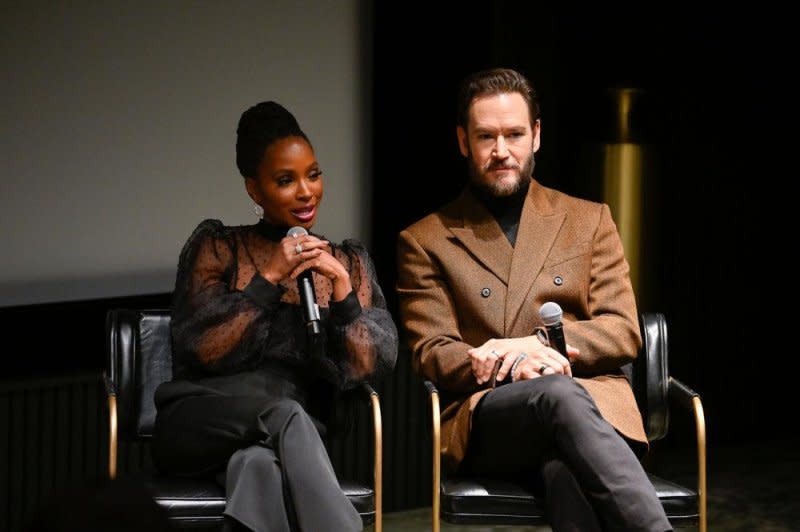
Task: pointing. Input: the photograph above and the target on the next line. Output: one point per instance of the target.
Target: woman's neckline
(276, 233)
(273, 232)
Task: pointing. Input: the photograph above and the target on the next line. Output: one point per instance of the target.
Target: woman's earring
(259, 210)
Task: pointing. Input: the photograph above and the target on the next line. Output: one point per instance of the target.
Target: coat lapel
(538, 229)
(482, 236)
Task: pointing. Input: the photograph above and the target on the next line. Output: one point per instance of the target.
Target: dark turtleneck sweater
(507, 210)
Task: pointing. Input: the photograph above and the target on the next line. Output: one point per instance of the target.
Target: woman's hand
(326, 264)
(289, 254)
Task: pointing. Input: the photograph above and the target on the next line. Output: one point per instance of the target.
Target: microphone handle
(555, 334)
(308, 300)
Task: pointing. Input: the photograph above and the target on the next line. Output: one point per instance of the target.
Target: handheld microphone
(308, 298)
(551, 315)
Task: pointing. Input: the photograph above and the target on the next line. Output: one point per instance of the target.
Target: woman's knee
(284, 413)
(255, 457)
(287, 408)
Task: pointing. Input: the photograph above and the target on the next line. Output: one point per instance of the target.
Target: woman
(248, 380)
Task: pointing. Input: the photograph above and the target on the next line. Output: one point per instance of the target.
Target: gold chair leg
(112, 436)
(690, 399)
(700, 422)
(436, 461)
(378, 473)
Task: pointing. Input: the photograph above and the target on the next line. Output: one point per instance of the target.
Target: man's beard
(492, 187)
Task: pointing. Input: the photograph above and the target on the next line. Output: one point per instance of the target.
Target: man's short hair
(491, 82)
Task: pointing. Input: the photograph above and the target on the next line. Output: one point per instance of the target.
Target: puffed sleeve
(215, 328)
(361, 335)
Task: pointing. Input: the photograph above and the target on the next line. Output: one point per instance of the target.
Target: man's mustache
(502, 166)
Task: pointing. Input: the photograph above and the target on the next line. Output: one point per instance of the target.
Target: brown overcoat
(461, 283)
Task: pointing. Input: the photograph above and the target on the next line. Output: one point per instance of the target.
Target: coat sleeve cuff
(346, 310)
(264, 293)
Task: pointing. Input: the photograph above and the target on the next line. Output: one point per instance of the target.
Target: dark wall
(59, 339)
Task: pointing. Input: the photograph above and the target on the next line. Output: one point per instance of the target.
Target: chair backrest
(649, 375)
(139, 359)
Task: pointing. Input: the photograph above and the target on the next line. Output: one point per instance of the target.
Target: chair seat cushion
(190, 500)
(362, 497)
(679, 503)
(489, 501)
(497, 501)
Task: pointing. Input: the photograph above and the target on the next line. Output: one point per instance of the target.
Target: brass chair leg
(378, 471)
(436, 454)
(112, 437)
(700, 422)
(690, 399)
(112, 429)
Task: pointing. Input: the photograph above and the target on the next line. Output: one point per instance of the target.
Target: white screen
(119, 128)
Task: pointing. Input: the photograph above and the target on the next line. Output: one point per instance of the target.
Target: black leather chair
(139, 359)
(471, 500)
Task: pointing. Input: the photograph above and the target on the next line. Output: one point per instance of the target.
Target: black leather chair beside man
(472, 500)
(139, 359)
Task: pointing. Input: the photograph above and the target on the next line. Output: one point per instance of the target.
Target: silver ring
(542, 368)
(299, 248)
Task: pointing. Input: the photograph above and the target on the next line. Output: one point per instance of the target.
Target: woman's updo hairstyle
(260, 126)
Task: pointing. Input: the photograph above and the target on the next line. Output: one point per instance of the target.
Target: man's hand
(539, 359)
(483, 363)
(545, 361)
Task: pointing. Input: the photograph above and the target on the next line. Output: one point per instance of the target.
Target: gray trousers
(266, 451)
(286, 482)
(549, 431)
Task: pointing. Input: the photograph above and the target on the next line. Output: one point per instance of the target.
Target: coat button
(486, 292)
(558, 280)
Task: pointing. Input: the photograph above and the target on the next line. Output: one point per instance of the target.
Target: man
(472, 278)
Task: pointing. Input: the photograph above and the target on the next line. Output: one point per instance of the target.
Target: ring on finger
(542, 368)
(298, 248)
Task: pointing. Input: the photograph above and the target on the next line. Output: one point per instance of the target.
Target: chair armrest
(689, 399)
(368, 390)
(682, 394)
(110, 388)
(435, 452)
(377, 426)
(650, 375)
(113, 433)
(431, 387)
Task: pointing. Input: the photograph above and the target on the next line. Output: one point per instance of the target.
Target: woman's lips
(305, 214)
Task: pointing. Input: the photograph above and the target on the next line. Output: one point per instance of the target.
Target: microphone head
(296, 231)
(550, 313)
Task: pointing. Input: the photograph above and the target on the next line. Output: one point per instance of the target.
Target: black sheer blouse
(228, 319)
